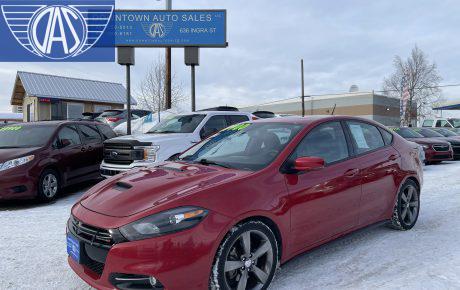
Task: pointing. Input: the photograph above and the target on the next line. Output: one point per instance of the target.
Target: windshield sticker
(11, 128)
(238, 127)
(358, 134)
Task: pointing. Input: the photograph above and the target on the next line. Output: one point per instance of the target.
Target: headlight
(163, 223)
(16, 162)
(426, 146)
(150, 152)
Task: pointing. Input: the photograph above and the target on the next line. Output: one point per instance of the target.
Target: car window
(213, 125)
(427, 133)
(106, 132)
(366, 137)
(406, 132)
(90, 134)
(235, 119)
(387, 136)
(69, 133)
(25, 136)
(442, 123)
(428, 123)
(326, 141)
(178, 124)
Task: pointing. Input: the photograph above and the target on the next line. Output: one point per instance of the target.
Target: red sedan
(233, 208)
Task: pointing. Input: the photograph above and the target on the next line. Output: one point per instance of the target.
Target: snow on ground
(33, 250)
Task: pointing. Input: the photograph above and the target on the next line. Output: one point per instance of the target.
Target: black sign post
(126, 56)
(192, 58)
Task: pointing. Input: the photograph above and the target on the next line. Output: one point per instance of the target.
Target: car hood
(8, 154)
(155, 139)
(141, 189)
(428, 141)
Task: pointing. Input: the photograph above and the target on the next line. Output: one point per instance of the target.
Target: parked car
(114, 118)
(90, 116)
(436, 150)
(264, 114)
(166, 140)
(454, 142)
(234, 207)
(447, 133)
(39, 159)
(442, 122)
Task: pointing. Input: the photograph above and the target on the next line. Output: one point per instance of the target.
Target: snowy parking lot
(33, 250)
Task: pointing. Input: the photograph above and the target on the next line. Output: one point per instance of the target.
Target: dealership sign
(177, 28)
(38, 30)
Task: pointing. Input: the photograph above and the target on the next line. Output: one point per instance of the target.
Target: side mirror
(64, 143)
(308, 163)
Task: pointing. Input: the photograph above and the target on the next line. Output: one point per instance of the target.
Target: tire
(49, 185)
(255, 266)
(407, 207)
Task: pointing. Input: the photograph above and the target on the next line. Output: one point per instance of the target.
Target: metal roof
(66, 88)
(454, 105)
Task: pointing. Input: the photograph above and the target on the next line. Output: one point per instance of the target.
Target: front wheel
(247, 258)
(48, 185)
(406, 210)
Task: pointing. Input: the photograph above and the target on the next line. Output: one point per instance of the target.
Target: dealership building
(48, 97)
(370, 105)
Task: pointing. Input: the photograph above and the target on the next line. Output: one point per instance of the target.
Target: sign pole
(126, 57)
(193, 89)
(128, 97)
(303, 89)
(168, 83)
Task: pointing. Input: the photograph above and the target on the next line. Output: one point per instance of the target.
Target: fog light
(153, 281)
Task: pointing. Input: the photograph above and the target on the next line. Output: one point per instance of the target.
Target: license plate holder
(73, 248)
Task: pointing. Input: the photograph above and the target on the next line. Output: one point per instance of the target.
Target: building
(16, 109)
(10, 118)
(48, 97)
(380, 108)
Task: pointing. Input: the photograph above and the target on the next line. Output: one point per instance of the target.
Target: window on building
(58, 111)
(101, 108)
(75, 110)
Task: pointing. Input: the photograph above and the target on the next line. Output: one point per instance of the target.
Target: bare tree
(151, 93)
(421, 80)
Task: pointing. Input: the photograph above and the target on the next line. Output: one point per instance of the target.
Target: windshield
(455, 122)
(446, 133)
(428, 133)
(246, 146)
(178, 124)
(407, 133)
(17, 136)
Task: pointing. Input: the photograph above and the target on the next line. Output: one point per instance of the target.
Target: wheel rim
(50, 185)
(249, 262)
(409, 205)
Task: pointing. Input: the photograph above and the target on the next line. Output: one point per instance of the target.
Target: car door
(325, 202)
(378, 163)
(67, 150)
(92, 146)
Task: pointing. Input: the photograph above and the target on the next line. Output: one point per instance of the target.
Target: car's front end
(18, 178)
(435, 150)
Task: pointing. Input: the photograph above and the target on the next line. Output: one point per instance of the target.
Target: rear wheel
(247, 258)
(406, 210)
(48, 185)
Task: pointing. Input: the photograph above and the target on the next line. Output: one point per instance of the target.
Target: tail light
(113, 119)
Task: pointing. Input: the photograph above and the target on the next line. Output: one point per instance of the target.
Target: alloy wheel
(50, 185)
(249, 261)
(409, 205)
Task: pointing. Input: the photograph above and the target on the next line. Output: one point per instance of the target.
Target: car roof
(57, 123)
(215, 113)
(307, 120)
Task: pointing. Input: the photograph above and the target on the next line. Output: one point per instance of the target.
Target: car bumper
(16, 183)
(434, 156)
(181, 260)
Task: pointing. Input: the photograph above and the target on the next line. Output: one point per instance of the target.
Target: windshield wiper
(163, 132)
(210, 162)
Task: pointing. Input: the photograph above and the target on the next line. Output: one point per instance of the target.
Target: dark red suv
(235, 206)
(38, 159)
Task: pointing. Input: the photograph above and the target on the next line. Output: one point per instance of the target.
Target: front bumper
(436, 156)
(16, 183)
(181, 260)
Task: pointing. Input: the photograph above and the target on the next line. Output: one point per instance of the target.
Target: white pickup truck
(166, 140)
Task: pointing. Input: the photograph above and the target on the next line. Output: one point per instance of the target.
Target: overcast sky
(342, 43)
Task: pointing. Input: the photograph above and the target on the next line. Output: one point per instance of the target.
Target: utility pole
(303, 88)
(126, 57)
(168, 85)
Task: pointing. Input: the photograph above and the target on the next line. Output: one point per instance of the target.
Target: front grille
(121, 154)
(91, 235)
(95, 266)
(107, 172)
(441, 148)
(116, 146)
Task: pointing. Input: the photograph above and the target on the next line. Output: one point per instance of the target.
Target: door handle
(351, 173)
(393, 157)
(83, 149)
